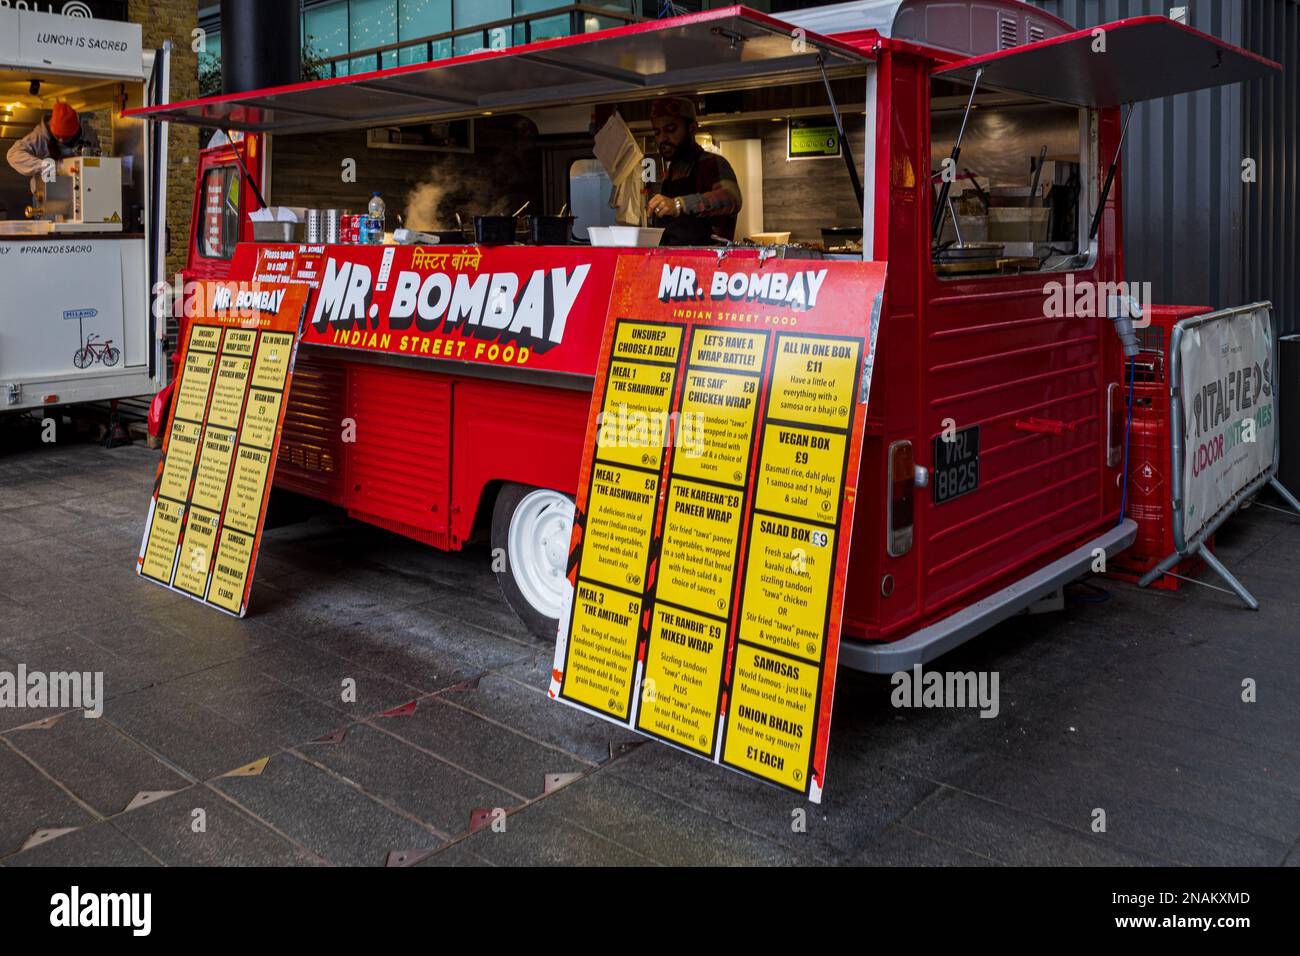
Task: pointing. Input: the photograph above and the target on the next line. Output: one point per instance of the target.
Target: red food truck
(972, 146)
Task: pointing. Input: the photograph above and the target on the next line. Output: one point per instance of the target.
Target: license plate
(956, 464)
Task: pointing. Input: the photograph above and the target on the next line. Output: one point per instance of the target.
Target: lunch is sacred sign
(715, 507)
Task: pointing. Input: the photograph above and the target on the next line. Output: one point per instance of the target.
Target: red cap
(667, 106)
(64, 122)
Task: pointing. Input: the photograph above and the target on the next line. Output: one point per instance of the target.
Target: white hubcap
(538, 548)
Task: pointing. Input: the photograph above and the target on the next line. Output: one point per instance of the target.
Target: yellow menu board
(223, 431)
(714, 508)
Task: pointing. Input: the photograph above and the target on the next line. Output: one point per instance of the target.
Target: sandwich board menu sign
(715, 505)
(219, 447)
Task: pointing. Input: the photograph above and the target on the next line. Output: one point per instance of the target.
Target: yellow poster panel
(812, 381)
(214, 468)
(182, 448)
(196, 551)
(717, 426)
(634, 422)
(723, 348)
(787, 586)
(261, 415)
(601, 649)
(230, 569)
(679, 690)
(770, 717)
(620, 517)
(701, 539)
(273, 360)
(204, 338)
(192, 393)
(801, 472)
(164, 535)
(647, 342)
(228, 393)
(239, 342)
(247, 486)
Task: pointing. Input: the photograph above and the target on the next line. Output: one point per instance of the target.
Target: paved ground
(1132, 706)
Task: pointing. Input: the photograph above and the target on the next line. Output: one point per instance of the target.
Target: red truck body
(435, 439)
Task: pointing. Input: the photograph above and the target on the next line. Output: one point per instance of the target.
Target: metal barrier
(1191, 529)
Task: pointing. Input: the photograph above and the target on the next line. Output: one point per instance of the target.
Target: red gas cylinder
(1149, 480)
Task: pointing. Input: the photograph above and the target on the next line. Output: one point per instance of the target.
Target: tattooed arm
(722, 197)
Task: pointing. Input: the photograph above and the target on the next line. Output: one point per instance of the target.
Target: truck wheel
(531, 529)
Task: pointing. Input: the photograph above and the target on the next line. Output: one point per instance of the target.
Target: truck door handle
(1045, 426)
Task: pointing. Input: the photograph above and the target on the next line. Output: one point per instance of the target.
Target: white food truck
(82, 244)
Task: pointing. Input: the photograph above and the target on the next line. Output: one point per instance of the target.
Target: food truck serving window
(219, 230)
(1018, 194)
(1028, 207)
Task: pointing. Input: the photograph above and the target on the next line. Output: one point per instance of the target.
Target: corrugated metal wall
(1272, 222)
(1193, 228)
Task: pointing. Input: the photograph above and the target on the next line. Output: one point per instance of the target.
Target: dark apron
(683, 230)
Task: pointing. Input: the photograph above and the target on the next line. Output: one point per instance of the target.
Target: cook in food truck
(699, 196)
(993, 444)
(81, 203)
(59, 137)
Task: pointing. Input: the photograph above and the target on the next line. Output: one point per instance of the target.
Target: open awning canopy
(735, 46)
(1144, 58)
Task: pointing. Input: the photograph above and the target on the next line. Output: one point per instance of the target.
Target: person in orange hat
(60, 137)
(699, 196)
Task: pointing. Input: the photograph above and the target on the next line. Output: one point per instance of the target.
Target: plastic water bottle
(375, 220)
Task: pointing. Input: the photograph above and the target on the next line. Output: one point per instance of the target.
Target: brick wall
(173, 20)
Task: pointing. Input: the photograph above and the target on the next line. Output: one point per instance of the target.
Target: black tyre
(531, 528)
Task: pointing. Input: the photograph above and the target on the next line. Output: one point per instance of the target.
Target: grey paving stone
(455, 854)
(168, 652)
(322, 813)
(666, 830)
(432, 790)
(97, 845)
(320, 675)
(1188, 745)
(197, 740)
(66, 652)
(486, 749)
(1010, 836)
(861, 798)
(31, 802)
(218, 637)
(56, 521)
(308, 604)
(432, 629)
(485, 610)
(40, 600)
(533, 669)
(900, 846)
(166, 828)
(1149, 812)
(529, 710)
(413, 647)
(242, 694)
(539, 836)
(13, 531)
(95, 762)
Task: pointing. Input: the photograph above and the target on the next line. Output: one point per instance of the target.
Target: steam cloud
(471, 186)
